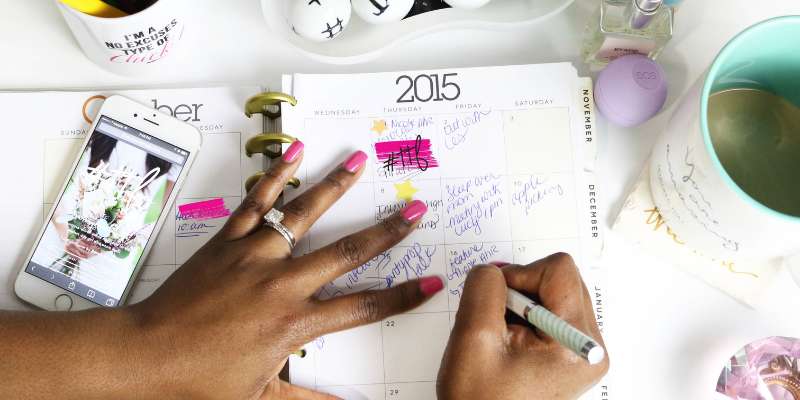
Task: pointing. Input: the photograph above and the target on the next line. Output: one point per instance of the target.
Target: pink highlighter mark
(203, 210)
(406, 154)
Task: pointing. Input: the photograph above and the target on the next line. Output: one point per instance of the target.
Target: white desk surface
(673, 331)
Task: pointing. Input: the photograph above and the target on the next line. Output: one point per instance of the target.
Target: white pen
(555, 327)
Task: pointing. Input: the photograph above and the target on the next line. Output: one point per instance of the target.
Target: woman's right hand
(488, 358)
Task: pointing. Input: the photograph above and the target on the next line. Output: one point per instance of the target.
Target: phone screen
(107, 213)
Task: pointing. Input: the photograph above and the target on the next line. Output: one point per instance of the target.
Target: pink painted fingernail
(429, 285)
(499, 264)
(293, 151)
(413, 211)
(355, 162)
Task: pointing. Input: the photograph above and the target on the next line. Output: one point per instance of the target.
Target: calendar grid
(383, 338)
(516, 245)
(511, 197)
(505, 154)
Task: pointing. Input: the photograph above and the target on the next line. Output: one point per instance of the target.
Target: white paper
(44, 132)
(511, 185)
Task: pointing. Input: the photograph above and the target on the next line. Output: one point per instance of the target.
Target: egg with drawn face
(320, 20)
(467, 4)
(423, 6)
(382, 11)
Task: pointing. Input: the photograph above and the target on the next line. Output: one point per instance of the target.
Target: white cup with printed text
(697, 196)
(136, 44)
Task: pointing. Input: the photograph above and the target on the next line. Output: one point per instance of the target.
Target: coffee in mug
(724, 173)
(756, 135)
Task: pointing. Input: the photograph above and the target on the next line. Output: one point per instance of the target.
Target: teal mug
(719, 206)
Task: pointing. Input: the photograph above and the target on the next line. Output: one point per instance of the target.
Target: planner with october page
(503, 158)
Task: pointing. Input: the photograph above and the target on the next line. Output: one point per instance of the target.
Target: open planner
(502, 156)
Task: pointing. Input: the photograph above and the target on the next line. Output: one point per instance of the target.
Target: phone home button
(63, 302)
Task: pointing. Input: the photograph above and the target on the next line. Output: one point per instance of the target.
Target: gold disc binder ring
(269, 144)
(259, 104)
(251, 181)
(262, 143)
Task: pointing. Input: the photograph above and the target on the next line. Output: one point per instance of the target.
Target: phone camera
(135, 115)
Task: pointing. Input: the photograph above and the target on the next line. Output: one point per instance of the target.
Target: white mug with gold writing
(135, 44)
(699, 194)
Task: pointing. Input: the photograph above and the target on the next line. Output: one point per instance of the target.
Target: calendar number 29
(427, 87)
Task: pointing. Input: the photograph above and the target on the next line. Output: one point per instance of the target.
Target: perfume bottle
(622, 27)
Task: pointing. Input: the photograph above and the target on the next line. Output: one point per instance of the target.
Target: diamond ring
(273, 220)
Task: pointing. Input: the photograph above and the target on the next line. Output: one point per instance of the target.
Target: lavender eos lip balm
(631, 90)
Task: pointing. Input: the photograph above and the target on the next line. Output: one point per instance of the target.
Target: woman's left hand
(225, 323)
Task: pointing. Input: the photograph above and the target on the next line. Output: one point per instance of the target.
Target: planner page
(502, 158)
(45, 136)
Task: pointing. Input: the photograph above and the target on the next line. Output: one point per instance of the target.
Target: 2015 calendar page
(502, 158)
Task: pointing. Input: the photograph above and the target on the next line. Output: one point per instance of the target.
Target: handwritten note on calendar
(498, 155)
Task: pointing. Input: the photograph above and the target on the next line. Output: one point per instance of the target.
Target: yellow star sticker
(378, 126)
(405, 191)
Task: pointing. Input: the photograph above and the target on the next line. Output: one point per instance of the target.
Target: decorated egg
(382, 11)
(320, 20)
(468, 4)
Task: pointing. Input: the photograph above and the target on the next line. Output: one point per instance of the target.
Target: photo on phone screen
(107, 214)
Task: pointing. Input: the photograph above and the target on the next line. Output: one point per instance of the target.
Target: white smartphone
(118, 194)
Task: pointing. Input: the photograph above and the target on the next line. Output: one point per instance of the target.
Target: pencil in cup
(555, 327)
